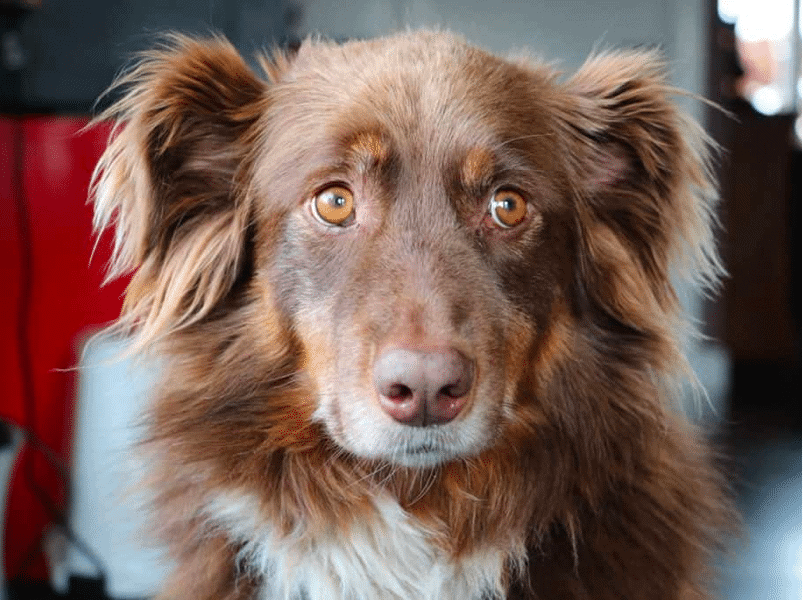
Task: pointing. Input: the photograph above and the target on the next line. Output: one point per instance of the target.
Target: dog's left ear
(641, 175)
(173, 179)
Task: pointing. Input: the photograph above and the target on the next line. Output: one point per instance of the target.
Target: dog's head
(440, 246)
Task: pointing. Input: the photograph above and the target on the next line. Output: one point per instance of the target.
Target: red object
(45, 170)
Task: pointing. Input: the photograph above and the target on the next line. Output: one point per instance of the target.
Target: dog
(416, 306)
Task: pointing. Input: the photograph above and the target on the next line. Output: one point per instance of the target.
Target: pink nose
(423, 388)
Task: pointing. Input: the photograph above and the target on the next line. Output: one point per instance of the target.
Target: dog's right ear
(172, 180)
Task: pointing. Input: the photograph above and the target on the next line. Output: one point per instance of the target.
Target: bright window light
(767, 42)
(765, 20)
(767, 100)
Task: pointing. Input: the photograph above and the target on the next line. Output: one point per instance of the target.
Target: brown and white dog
(416, 305)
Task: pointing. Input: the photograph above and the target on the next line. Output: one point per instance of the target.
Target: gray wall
(564, 29)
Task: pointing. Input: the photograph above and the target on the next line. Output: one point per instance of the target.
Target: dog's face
(423, 239)
(437, 233)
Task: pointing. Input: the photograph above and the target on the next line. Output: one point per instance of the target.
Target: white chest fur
(388, 557)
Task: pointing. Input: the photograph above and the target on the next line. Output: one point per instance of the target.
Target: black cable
(33, 441)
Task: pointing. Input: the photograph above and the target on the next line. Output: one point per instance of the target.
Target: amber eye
(334, 205)
(507, 208)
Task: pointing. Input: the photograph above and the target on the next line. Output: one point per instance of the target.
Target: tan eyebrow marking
(477, 168)
(369, 149)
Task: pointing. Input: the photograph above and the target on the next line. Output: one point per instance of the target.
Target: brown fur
(571, 316)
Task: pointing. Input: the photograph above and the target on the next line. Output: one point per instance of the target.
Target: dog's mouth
(423, 449)
(394, 443)
(424, 455)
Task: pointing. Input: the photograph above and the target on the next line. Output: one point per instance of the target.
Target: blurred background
(64, 532)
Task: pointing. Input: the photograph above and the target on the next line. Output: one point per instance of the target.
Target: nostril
(461, 387)
(452, 391)
(399, 392)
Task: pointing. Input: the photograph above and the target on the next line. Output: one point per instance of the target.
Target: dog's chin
(415, 458)
(423, 457)
(417, 448)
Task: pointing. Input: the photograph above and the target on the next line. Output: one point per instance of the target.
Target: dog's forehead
(429, 97)
(407, 84)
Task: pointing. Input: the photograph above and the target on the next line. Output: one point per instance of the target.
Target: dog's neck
(386, 556)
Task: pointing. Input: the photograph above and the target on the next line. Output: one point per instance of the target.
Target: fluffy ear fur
(641, 172)
(172, 181)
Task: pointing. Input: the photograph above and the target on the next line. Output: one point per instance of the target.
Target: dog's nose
(423, 387)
